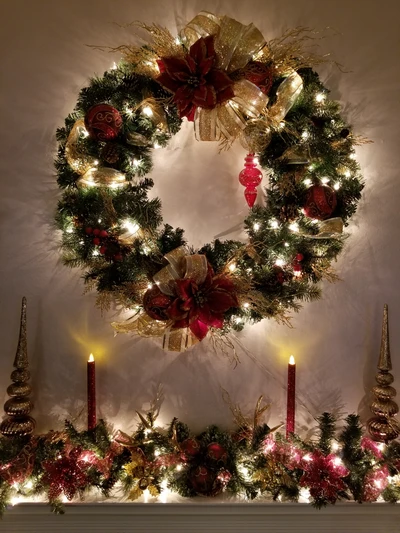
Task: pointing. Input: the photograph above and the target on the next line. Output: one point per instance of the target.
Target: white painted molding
(203, 517)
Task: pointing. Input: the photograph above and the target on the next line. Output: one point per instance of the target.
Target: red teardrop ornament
(250, 177)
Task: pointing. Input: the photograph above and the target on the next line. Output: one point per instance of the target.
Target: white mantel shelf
(203, 518)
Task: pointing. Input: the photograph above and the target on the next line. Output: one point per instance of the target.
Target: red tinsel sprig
(323, 476)
(67, 474)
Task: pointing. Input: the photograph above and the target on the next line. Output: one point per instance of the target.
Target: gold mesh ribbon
(329, 229)
(75, 154)
(181, 266)
(102, 176)
(286, 96)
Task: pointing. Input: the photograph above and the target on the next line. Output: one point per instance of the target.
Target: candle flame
(91, 358)
(291, 360)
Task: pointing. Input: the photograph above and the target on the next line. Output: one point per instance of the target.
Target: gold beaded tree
(18, 423)
(383, 426)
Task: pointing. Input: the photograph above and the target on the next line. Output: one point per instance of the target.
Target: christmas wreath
(234, 86)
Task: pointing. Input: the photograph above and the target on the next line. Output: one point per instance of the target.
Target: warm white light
(99, 220)
(232, 267)
(274, 224)
(246, 305)
(307, 182)
(91, 358)
(95, 252)
(294, 227)
(150, 286)
(70, 229)
(128, 111)
(314, 221)
(132, 227)
(381, 446)
(147, 111)
(353, 156)
(378, 483)
(81, 242)
(177, 41)
(256, 226)
(136, 162)
(179, 468)
(286, 244)
(281, 125)
(337, 461)
(291, 360)
(29, 484)
(115, 66)
(347, 173)
(307, 458)
(336, 186)
(325, 180)
(157, 453)
(156, 145)
(16, 500)
(311, 167)
(84, 132)
(305, 134)
(147, 430)
(297, 274)
(95, 162)
(320, 97)
(238, 319)
(255, 159)
(279, 262)
(335, 446)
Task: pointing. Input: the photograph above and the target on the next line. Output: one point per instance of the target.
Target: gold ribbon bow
(181, 266)
(236, 45)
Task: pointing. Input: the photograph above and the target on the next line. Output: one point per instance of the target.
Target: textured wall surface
(45, 62)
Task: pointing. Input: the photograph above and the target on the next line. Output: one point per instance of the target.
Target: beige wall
(336, 341)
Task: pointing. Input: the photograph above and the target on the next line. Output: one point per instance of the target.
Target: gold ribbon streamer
(102, 176)
(329, 229)
(76, 156)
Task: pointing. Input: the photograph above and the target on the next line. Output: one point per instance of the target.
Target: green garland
(249, 462)
(280, 235)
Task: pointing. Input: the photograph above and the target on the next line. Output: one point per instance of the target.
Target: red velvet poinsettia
(194, 80)
(198, 307)
(323, 476)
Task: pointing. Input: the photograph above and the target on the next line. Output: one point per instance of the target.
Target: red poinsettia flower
(323, 476)
(194, 80)
(66, 474)
(198, 307)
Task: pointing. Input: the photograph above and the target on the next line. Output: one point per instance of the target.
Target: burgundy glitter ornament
(103, 122)
(217, 452)
(250, 177)
(320, 202)
(190, 447)
(202, 480)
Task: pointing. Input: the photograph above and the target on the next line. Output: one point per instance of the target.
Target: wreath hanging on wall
(234, 86)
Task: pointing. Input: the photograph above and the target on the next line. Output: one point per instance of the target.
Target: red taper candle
(291, 397)
(91, 392)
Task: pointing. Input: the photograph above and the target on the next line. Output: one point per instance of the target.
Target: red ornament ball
(103, 122)
(155, 303)
(103, 234)
(217, 452)
(96, 241)
(190, 447)
(320, 202)
(88, 231)
(103, 250)
(202, 480)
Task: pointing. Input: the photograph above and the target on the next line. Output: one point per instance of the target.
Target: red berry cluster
(109, 247)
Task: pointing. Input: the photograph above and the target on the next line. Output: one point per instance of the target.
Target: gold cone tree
(17, 422)
(383, 426)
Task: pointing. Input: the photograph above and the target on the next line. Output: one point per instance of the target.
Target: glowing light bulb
(238, 319)
(232, 267)
(286, 245)
(291, 360)
(279, 262)
(274, 224)
(294, 227)
(320, 97)
(70, 229)
(324, 180)
(29, 484)
(307, 457)
(336, 186)
(95, 163)
(95, 252)
(256, 226)
(177, 40)
(307, 181)
(136, 162)
(147, 430)
(246, 305)
(131, 226)
(84, 132)
(305, 134)
(335, 446)
(150, 286)
(157, 453)
(156, 146)
(353, 156)
(337, 461)
(91, 358)
(179, 468)
(147, 111)
(114, 66)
